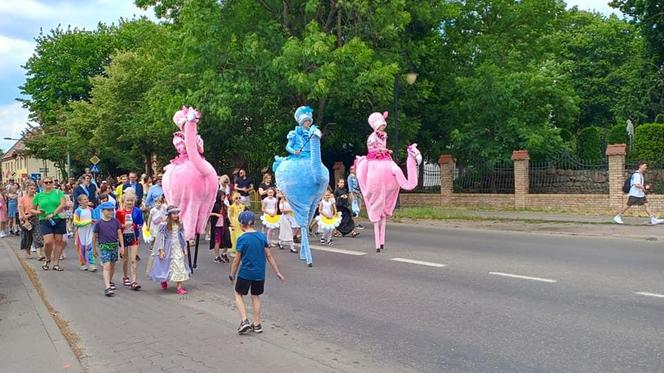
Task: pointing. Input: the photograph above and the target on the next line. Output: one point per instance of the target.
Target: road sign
(35, 177)
(95, 160)
(94, 169)
(43, 169)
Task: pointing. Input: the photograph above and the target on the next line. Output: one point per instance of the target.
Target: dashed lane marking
(540, 279)
(420, 262)
(338, 251)
(647, 294)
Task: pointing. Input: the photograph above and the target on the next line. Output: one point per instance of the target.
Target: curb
(67, 356)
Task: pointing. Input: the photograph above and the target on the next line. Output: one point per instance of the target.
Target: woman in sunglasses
(48, 205)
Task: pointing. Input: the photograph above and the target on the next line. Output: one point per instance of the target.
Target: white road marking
(523, 277)
(411, 261)
(338, 251)
(647, 294)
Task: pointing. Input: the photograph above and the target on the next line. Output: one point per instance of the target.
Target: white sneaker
(92, 268)
(3, 235)
(655, 221)
(84, 268)
(618, 219)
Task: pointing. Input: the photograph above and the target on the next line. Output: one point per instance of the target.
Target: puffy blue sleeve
(291, 146)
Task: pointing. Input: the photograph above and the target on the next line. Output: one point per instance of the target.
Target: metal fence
(484, 178)
(429, 178)
(566, 174)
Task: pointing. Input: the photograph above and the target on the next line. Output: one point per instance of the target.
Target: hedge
(649, 142)
(589, 144)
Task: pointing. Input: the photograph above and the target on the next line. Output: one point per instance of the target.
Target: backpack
(627, 185)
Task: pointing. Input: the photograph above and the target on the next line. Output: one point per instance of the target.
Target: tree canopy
(493, 76)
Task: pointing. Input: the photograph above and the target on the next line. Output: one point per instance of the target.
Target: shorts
(12, 208)
(636, 201)
(45, 227)
(129, 239)
(242, 286)
(108, 252)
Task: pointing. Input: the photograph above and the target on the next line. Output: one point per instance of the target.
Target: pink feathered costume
(380, 178)
(190, 182)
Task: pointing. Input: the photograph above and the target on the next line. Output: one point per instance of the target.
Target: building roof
(13, 151)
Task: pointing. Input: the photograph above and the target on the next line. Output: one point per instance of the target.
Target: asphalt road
(438, 299)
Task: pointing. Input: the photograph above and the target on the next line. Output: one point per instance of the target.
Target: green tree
(648, 142)
(589, 144)
(649, 14)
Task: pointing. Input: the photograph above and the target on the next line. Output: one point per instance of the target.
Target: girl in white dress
(171, 249)
(328, 218)
(270, 218)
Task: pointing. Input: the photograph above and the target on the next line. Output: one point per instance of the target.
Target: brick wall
(522, 199)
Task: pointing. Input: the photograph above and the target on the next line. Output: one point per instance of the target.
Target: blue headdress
(304, 113)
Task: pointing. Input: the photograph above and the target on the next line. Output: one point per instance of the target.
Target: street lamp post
(411, 78)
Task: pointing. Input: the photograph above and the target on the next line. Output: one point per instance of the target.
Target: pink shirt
(377, 146)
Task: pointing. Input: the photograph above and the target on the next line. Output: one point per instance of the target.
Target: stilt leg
(198, 237)
(189, 256)
(377, 235)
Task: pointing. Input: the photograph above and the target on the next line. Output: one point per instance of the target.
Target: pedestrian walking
(342, 198)
(355, 194)
(3, 216)
(637, 195)
(107, 239)
(171, 250)
(11, 195)
(244, 186)
(84, 234)
(287, 224)
(48, 205)
(131, 219)
(252, 253)
(31, 238)
(156, 219)
(220, 242)
(270, 218)
(234, 211)
(328, 218)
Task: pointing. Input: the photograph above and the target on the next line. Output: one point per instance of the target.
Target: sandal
(126, 282)
(112, 286)
(45, 266)
(135, 286)
(42, 258)
(58, 268)
(355, 234)
(108, 292)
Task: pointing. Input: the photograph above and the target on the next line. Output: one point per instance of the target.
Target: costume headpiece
(304, 113)
(377, 119)
(172, 210)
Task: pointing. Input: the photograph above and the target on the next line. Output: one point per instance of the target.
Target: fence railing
(568, 175)
(497, 178)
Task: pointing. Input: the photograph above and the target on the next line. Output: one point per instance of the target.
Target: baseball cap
(247, 218)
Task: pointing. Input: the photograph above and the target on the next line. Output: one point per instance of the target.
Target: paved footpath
(30, 341)
(155, 331)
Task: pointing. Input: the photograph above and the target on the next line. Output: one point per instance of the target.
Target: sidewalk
(30, 341)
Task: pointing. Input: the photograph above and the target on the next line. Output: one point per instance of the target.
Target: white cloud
(75, 13)
(14, 53)
(13, 120)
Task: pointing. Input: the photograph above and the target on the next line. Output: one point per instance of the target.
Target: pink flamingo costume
(381, 179)
(190, 182)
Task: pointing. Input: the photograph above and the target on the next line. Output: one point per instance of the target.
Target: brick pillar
(446, 163)
(339, 172)
(616, 154)
(521, 160)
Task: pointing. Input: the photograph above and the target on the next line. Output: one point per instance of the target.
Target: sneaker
(181, 291)
(218, 260)
(618, 219)
(224, 257)
(359, 226)
(280, 246)
(112, 286)
(257, 328)
(293, 250)
(84, 268)
(655, 221)
(329, 243)
(109, 292)
(92, 268)
(2, 235)
(322, 240)
(164, 285)
(244, 327)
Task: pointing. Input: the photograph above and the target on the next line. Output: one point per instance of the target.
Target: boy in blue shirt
(252, 252)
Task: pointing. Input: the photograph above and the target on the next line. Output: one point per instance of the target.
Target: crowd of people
(50, 215)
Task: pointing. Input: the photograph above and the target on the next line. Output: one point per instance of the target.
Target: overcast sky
(22, 20)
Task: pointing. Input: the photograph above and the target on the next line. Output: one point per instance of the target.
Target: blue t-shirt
(107, 230)
(251, 246)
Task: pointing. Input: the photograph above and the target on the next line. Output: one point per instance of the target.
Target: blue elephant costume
(301, 176)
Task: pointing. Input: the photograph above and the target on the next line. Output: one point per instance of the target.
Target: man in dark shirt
(138, 188)
(244, 186)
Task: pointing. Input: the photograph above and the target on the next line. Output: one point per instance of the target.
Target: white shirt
(637, 178)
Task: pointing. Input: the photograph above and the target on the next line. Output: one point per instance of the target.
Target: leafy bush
(589, 144)
(659, 118)
(617, 135)
(649, 142)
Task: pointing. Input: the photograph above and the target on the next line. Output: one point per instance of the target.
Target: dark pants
(32, 237)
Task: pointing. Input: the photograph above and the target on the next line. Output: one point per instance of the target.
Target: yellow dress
(233, 214)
